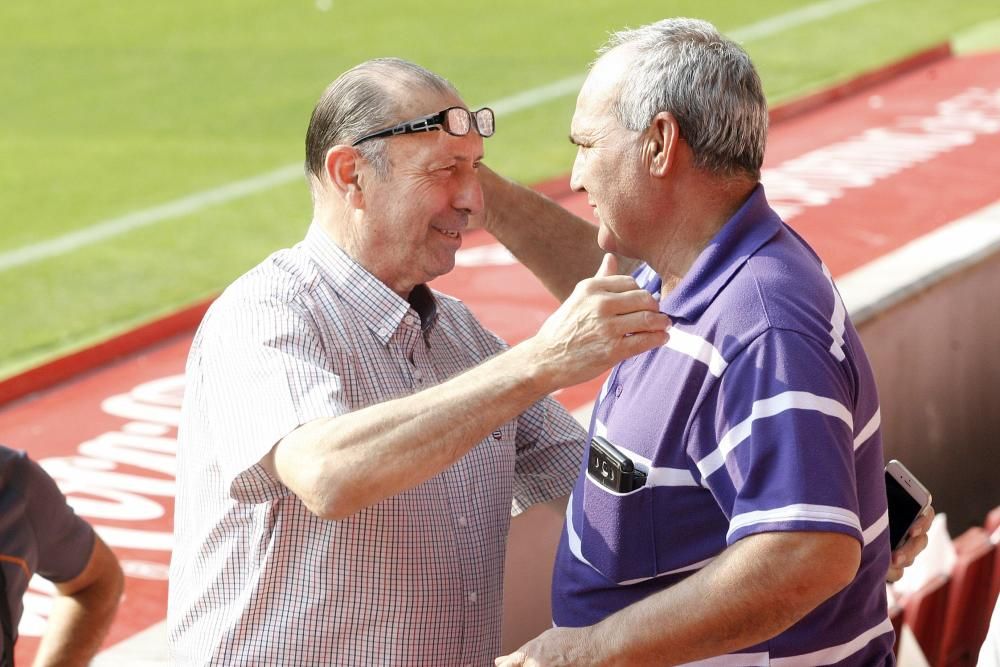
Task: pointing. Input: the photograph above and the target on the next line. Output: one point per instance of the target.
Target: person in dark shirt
(40, 534)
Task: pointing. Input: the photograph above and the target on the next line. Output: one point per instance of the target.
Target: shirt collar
(381, 308)
(751, 227)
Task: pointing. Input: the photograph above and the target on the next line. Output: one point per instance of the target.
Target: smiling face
(608, 165)
(413, 218)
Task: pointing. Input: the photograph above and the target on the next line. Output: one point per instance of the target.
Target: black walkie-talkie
(612, 469)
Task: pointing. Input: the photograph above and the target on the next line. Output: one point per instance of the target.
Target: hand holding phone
(908, 499)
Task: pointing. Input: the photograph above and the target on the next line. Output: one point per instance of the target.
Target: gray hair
(706, 82)
(364, 99)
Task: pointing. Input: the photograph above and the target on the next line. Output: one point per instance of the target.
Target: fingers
(609, 266)
(612, 283)
(598, 326)
(639, 321)
(608, 277)
(906, 554)
(916, 541)
(627, 302)
(640, 342)
(923, 522)
(616, 294)
(513, 660)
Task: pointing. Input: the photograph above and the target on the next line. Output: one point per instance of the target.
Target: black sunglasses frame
(431, 122)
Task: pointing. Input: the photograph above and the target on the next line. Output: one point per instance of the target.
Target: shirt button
(409, 319)
(463, 522)
(383, 332)
(618, 391)
(473, 597)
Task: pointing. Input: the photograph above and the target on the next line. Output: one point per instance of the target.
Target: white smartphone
(907, 497)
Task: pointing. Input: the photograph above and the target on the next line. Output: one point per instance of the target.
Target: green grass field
(109, 107)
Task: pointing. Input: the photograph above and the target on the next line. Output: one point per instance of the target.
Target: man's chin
(606, 241)
(441, 268)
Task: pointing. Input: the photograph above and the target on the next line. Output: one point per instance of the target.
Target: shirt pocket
(617, 532)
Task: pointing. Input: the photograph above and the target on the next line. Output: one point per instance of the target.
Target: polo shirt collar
(381, 308)
(751, 227)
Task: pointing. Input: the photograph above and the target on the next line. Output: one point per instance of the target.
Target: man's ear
(662, 139)
(341, 170)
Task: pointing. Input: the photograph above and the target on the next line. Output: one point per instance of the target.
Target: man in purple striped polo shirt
(759, 535)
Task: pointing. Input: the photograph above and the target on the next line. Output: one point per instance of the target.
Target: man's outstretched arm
(415, 437)
(558, 247)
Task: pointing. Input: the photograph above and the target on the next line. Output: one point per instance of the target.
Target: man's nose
(470, 194)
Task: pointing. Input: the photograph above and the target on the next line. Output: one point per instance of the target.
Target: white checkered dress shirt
(256, 579)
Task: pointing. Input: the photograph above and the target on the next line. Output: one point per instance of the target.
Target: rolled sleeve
(550, 446)
(264, 372)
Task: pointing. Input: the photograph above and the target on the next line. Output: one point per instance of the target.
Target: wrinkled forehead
(413, 103)
(434, 149)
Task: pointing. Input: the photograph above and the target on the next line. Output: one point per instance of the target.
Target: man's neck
(705, 209)
(339, 231)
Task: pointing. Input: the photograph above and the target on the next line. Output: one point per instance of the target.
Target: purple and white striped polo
(759, 415)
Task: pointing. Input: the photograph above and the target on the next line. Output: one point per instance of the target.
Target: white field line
(239, 189)
(535, 96)
(136, 219)
(814, 12)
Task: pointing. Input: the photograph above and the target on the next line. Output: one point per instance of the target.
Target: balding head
(705, 81)
(363, 99)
